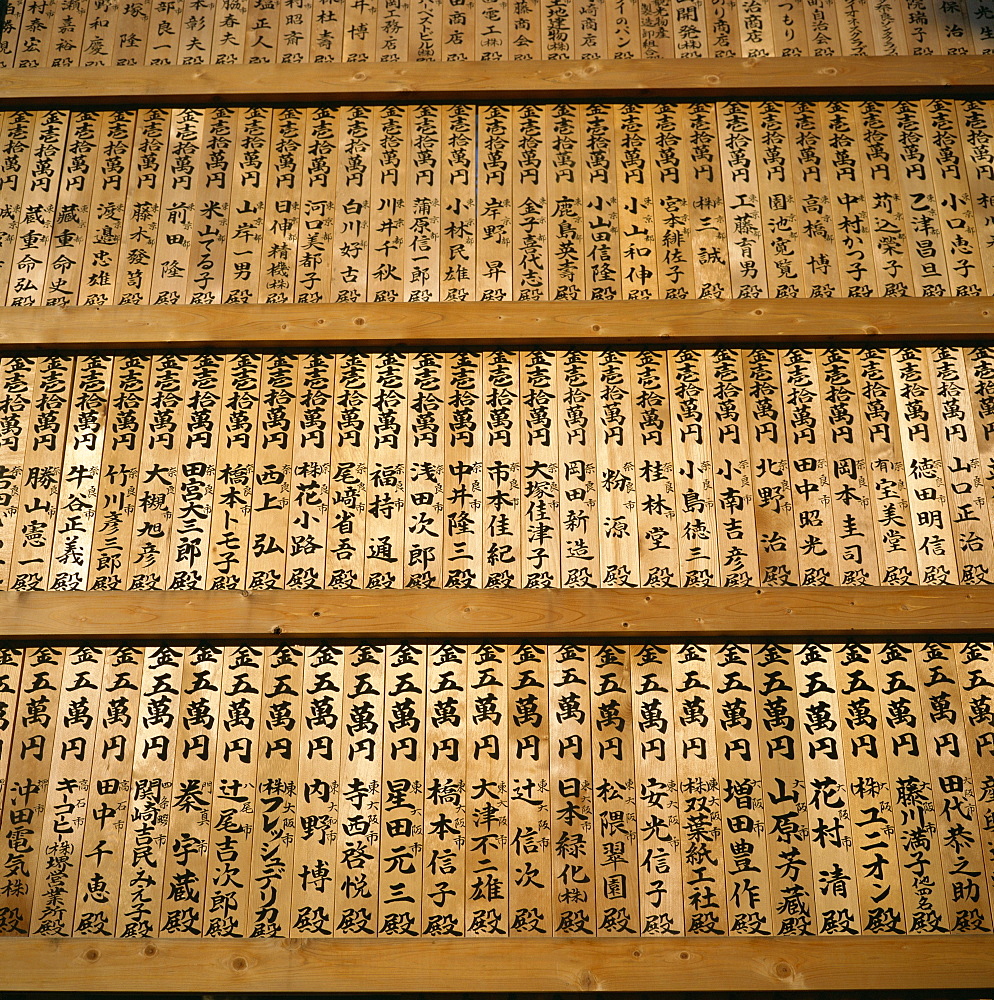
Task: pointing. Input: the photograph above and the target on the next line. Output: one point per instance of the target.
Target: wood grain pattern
(606, 79)
(582, 614)
(259, 965)
(773, 322)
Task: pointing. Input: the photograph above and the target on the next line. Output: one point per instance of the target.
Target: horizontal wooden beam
(597, 79)
(495, 615)
(515, 965)
(438, 325)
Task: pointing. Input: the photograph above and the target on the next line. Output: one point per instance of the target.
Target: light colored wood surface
(366, 325)
(498, 965)
(582, 614)
(548, 80)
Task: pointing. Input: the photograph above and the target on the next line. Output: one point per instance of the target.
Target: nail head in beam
(596, 79)
(497, 615)
(440, 325)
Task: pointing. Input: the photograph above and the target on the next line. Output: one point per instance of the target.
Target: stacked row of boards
(495, 790)
(497, 203)
(498, 469)
(43, 33)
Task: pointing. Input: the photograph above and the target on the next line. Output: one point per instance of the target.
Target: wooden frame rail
(628, 615)
(603, 79)
(701, 322)
(477, 964)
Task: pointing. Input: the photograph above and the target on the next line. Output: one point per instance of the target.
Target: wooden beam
(631, 615)
(515, 965)
(438, 325)
(597, 79)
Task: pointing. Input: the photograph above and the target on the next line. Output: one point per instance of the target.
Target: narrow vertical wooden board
(493, 204)
(658, 533)
(315, 838)
(317, 216)
(148, 549)
(922, 878)
(41, 480)
(957, 829)
(503, 472)
(444, 845)
(270, 517)
(615, 839)
(76, 184)
(142, 207)
(462, 520)
(457, 223)
(778, 564)
(234, 477)
(18, 377)
(541, 489)
(784, 792)
(534, 876)
(491, 738)
(705, 891)
(404, 779)
(893, 534)
(878, 161)
(139, 901)
(862, 741)
(191, 798)
(35, 230)
(954, 209)
(16, 139)
(425, 487)
(243, 244)
(358, 848)
(658, 794)
(705, 194)
(273, 839)
(64, 810)
(747, 864)
(617, 514)
(33, 738)
(120, 467)
(975, 674)
(195, 481)
(107, 807)
(969, 513)
(75, 520)
(693, 473)
(386, 501)
(212, 209)
(422, 260)
(848, 198)
(834, 869)
(571, 805)
(815, 519)
(975, 125)
(735, 521)
(529, 229)
(102, 247)
(311, 436)
(739, 181)
(228, 889)
(346, 546)
(918, 430)
(577, 435)
(848, 467)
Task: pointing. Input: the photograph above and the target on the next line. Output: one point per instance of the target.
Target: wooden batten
(441, 325)
(599, 79)
(496, 615)
(258, 965)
